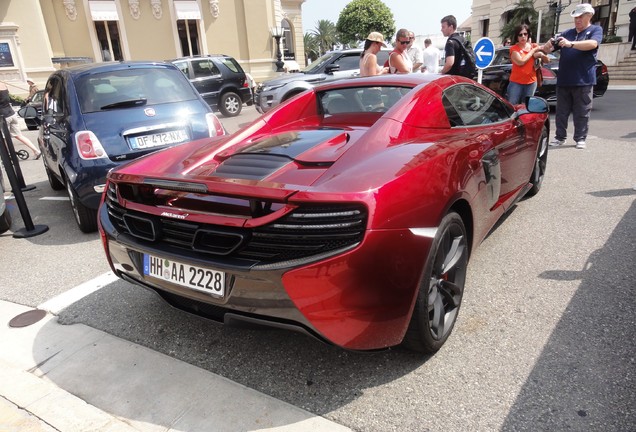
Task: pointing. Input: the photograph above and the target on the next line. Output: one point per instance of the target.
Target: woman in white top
(368, 58)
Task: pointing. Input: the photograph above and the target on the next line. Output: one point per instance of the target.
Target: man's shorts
(14, 125)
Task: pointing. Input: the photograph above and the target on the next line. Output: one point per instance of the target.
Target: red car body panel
(407, 167)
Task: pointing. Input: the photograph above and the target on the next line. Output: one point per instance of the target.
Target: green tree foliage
(523, 13)
(325, 35)
(312, 52)
(361, 17)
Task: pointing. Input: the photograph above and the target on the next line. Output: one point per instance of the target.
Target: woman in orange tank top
(523, 79)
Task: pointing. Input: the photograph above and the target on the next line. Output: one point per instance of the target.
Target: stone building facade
(40, 36)
(489, 16)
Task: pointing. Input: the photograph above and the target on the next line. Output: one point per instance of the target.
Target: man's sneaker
(557, 142)
(580, 144)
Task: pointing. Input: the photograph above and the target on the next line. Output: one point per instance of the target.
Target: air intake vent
(303, 233)
(251, 166)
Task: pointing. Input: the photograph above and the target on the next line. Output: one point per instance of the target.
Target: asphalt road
(545, 339)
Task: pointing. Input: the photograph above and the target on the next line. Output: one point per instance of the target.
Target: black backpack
(467, 65)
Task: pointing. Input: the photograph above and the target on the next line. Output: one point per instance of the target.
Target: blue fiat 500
(98, 116)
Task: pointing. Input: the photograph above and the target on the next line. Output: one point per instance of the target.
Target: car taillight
(604, 70)
(245, 84)
(89, 146)
(547, 73)
(215, 128)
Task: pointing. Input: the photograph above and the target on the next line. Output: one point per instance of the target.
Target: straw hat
(581, 9)
(376, 37)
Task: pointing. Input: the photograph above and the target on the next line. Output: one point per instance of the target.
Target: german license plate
(159, 139)
(186, 275)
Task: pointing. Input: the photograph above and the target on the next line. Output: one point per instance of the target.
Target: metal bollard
(29, 230)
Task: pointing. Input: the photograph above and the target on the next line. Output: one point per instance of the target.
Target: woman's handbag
(539, 72)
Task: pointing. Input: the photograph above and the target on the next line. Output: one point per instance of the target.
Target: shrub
(16, 100)
(612, 39)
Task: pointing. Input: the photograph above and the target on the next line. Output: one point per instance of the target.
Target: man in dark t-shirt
(452, 50)
(577, 74)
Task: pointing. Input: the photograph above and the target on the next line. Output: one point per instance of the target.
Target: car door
(348, 66)
(499, 138)
(55, 133)
(207, 79)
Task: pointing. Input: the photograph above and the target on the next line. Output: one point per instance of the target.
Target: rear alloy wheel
(5, 220)
(441, 288)
(540, 164)
(230, 104)
(85, 217)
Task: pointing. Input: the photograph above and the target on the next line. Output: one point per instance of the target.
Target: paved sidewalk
(621, 84)
(75, 378)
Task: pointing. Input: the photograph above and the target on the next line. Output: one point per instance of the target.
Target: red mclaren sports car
(348, 213)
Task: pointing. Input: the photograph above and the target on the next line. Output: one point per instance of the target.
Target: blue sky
(420, 16)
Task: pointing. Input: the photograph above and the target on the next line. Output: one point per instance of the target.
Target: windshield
(38, 96)
(317, 64)
(132, 87)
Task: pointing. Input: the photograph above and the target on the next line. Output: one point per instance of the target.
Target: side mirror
(537, 105)
(28, 112)
(332, 68)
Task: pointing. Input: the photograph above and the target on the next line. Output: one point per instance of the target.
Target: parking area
(544, 340)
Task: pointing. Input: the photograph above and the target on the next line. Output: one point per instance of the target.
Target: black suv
(219, 79)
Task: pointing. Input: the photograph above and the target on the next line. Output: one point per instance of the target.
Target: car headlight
(272, 87)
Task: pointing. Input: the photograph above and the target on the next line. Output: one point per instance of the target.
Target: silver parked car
(332, 66)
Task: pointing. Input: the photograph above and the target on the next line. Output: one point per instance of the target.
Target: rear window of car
(231, 64)
(360, 99)
(132, 87)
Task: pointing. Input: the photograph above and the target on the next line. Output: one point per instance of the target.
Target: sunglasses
(522, 34)
(404, 42)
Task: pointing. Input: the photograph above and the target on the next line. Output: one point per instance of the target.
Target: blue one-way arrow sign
(485, 52)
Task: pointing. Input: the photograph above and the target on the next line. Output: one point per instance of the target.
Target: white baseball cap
(376, 37)
(581, 9)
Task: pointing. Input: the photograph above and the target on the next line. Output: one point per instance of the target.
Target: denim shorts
(517, 93)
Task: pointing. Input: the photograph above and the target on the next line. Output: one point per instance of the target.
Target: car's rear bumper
(360, 298)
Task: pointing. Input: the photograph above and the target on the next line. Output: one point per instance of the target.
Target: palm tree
(311, 47)
(523, 13)
(326, 35)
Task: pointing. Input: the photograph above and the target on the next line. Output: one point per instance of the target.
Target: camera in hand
(556, 39)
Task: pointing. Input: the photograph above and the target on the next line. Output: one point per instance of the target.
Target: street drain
(27, 318)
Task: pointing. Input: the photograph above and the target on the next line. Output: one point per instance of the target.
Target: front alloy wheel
(540, 164)
(441, 288)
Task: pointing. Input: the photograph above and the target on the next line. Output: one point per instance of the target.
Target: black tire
(5, 221)
(53, 181)
(441, 288)
(291, 95)
(85, 217)
(230, 104)
(540, 164)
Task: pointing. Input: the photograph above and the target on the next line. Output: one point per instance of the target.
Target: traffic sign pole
(484, 55)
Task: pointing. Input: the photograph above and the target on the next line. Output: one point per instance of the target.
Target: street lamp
(277, 33)
(558, 9)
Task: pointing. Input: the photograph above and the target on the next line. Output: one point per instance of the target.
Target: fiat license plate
(186, 275)
(159, 139)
